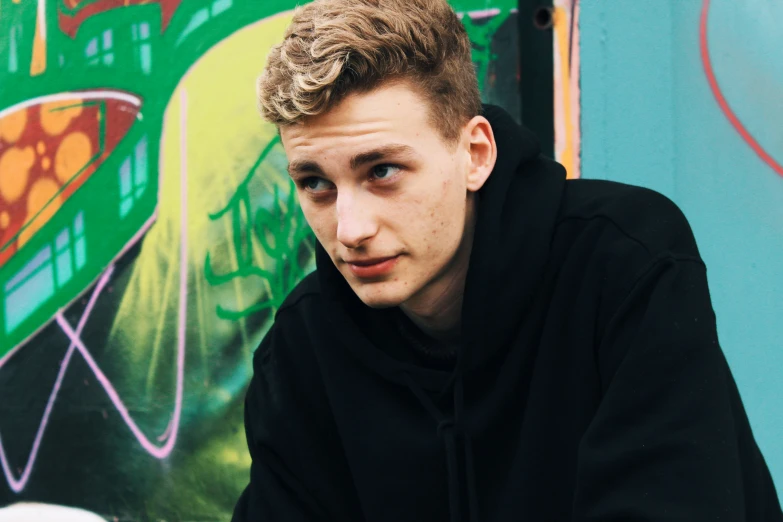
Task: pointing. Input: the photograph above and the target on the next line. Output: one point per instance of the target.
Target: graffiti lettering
(282, 232)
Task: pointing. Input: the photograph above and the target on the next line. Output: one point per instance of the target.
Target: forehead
(394, 112)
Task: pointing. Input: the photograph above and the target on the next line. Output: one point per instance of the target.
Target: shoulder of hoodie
(643, 219)
(303, 301)
(308, 289)
(623, 238)
(291, 321)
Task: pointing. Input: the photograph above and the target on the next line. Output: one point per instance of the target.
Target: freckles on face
(440, 216)
(418, 215)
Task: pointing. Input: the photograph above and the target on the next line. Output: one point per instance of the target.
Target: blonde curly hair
(333, 48)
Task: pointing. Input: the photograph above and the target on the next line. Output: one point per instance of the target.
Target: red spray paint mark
(724, 105)
(70, 23)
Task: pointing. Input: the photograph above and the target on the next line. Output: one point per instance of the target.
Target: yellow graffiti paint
(38, 62)
(12, 126)
(43, 202)
(566, 91)
(221, 134)
(15, 164)
(72, 155)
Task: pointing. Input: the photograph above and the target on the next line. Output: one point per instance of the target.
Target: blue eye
(314, 184)
(385, 171)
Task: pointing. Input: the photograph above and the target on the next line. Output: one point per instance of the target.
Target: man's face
(384, 194)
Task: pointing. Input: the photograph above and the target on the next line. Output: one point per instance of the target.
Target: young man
(482, 340)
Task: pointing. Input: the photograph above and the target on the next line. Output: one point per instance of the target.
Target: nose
(356, 221)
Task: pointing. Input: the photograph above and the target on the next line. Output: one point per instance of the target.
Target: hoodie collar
(518, 208)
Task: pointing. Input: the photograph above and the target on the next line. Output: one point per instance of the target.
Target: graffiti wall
(148, 233)
(567, 119)
(686, 98)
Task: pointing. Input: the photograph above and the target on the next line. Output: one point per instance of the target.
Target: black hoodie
(589, 384)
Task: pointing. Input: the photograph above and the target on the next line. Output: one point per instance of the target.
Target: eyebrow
(381, 153)
(363, 158)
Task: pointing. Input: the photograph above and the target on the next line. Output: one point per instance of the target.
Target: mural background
(686, 97)
(148, 232)
(567, 85)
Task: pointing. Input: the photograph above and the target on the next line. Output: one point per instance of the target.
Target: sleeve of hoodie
(671, 439)
(298, 471)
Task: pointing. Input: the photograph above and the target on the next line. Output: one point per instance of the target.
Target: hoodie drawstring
(449, 430)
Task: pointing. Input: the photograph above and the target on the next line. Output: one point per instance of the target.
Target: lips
(369, 262)
(371, 268)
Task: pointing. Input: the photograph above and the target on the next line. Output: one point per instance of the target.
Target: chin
(382, 294)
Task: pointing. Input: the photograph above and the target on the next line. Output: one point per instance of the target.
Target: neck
(441, 323)
(437, 311)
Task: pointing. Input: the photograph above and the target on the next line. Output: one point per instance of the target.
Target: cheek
(445, 220)
(320, 223)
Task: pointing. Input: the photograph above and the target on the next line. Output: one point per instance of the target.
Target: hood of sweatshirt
(517, 211)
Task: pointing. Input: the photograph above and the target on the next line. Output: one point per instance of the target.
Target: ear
(482, 151)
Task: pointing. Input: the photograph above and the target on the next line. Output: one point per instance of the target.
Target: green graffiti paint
(289, 234)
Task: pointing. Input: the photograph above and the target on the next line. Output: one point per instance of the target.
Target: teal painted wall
(649, 117)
